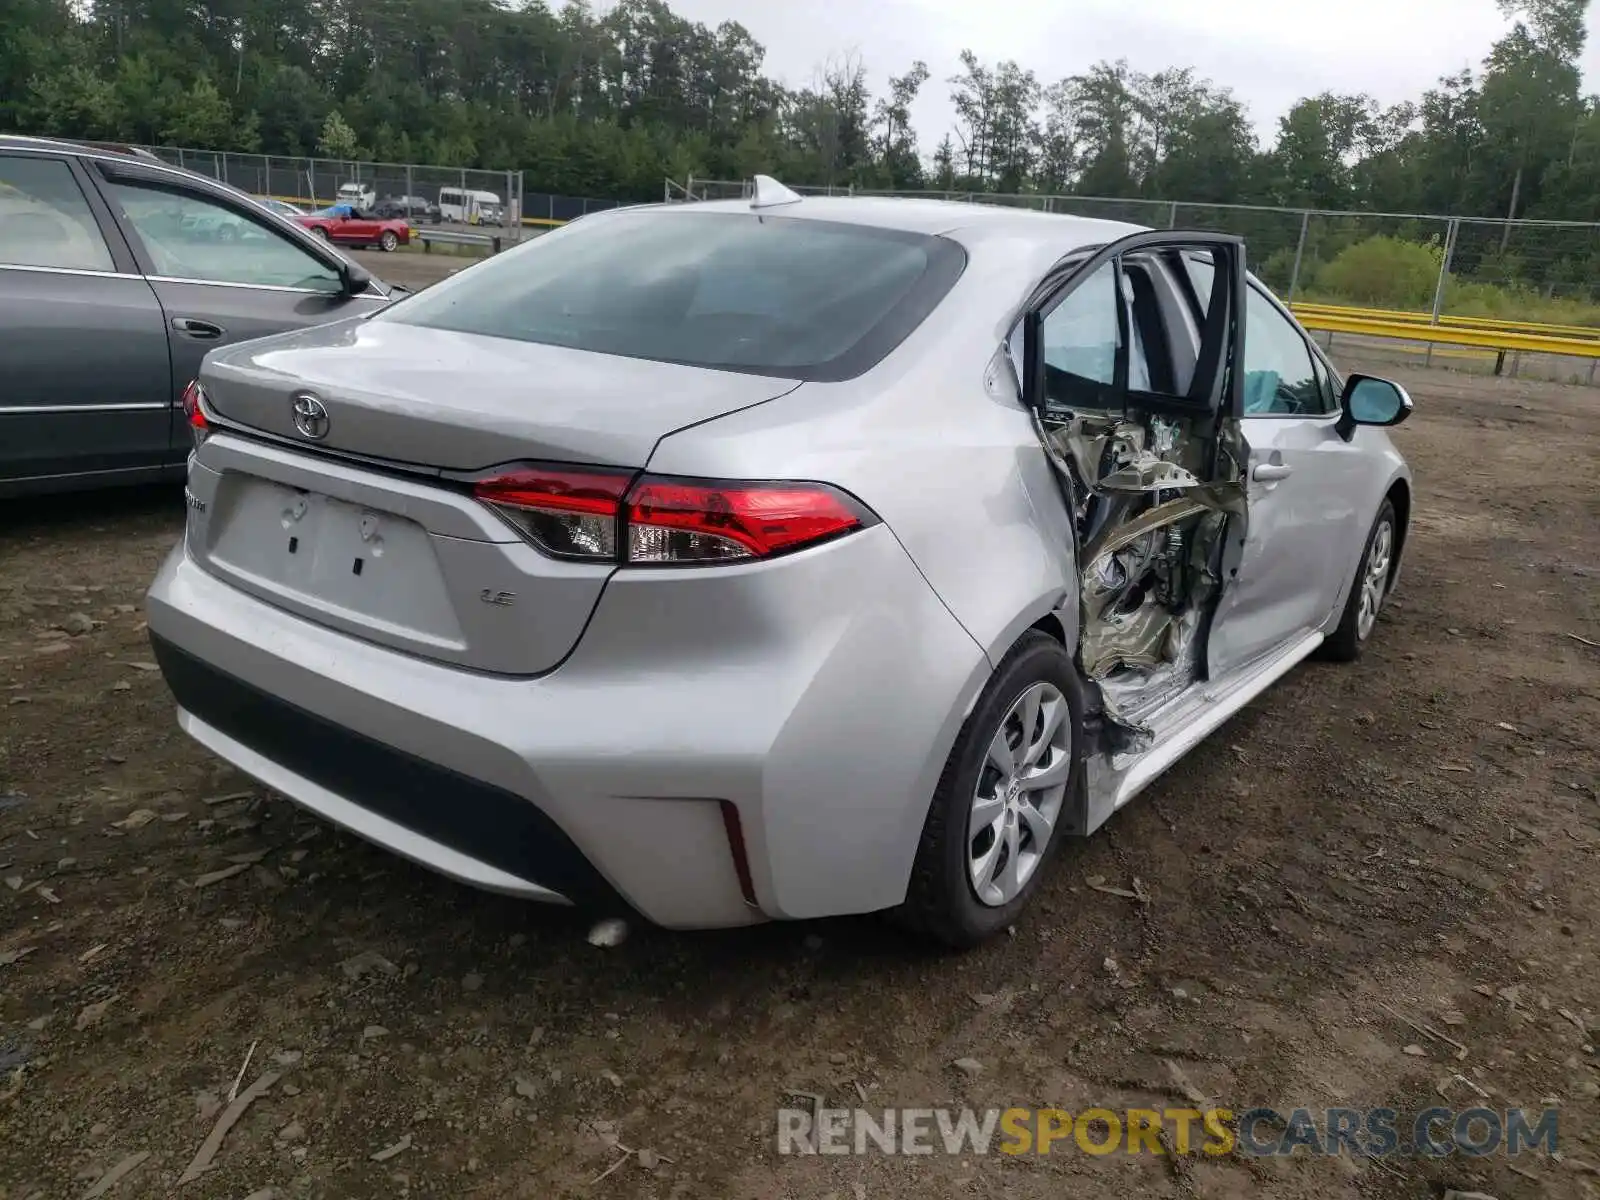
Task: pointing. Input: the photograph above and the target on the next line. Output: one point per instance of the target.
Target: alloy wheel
(1019, 795)
(1376, 579)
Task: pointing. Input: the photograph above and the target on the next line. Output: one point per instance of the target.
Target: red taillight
(194, 410)
(685, 520)
(594, 514)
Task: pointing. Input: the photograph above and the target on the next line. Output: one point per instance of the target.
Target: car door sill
(1184, 722)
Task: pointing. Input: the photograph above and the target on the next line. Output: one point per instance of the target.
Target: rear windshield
(753, 293)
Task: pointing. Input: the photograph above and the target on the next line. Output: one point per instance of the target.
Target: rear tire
(388, 241)
(973, 876)
(1368, 591)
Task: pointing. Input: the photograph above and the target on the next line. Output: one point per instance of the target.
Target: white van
(473, 208)
(358, 195)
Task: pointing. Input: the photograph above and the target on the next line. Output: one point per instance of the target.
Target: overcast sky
(1270, 52)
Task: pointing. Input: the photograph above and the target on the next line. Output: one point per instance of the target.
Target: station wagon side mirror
(354, 277)
(1369, 400)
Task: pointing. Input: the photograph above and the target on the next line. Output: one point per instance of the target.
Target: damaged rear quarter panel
(935, 441)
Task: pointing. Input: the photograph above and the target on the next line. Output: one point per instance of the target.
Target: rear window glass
(753, 293)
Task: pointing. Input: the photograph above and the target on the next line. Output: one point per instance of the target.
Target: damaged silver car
(773, 559)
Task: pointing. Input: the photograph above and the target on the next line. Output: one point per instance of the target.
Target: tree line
(606, 102)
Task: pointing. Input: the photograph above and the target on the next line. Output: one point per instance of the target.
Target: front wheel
(1368, 592)
(320, 232)
(389, 240)
(1013, 780)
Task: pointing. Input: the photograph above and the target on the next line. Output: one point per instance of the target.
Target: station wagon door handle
(203, 331)
(1271, 472)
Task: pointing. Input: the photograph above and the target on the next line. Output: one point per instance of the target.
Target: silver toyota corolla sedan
(773, 558)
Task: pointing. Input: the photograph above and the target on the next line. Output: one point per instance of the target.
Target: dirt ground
(1411, 841)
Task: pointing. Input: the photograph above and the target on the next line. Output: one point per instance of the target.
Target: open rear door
(1128, 363)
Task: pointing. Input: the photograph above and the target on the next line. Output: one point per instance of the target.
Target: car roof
(963, 221)
(76, 146)
(110, 152)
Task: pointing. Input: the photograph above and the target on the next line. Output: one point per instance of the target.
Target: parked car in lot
(213, 224)
(356, 227)
(117, 274)
(410, 208)
(357, 195)
(282, 207)
(848, 559)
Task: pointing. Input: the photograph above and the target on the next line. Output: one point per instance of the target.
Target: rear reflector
(732, 826)
(595, 515)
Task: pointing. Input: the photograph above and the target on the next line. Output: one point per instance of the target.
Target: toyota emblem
(310, 416)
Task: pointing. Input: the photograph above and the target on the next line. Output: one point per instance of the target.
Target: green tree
(338, 140)
(604, 97)
(1107, 111)
(898, 141)
(1314, 160)
(200, 117)
(77, 98)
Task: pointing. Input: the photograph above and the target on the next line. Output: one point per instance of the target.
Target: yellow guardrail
(1370, 323)
(1337, 310)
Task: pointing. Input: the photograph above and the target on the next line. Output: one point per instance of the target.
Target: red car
(353, 227)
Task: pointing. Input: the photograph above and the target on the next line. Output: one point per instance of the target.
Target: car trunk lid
(465, 402)
(372, 528)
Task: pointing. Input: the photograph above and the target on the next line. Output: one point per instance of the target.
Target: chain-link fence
(451, 195)
(1535, 271)
(421, 193)
(547, 208)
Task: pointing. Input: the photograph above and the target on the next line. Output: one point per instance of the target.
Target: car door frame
(237, 202)
(125, 268)
(107, 170)
(1216, 339)
(1328, 455)
(1222, 387)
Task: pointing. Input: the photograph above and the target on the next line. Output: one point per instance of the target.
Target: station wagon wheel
(1010, 789)
(1368, 591)
(389, 240)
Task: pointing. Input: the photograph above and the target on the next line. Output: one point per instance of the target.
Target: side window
(189, 237)
(1201, 277)
(45, 220)
(1279, 379)
(1079, 341)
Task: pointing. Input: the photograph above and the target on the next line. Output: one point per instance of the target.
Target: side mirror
(355, 278)
(1368, 400)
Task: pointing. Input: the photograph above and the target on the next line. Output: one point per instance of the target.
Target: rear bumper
(818, 695)
(482, 835)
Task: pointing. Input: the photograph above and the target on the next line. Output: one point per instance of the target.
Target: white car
(358, 195)
(737, 561)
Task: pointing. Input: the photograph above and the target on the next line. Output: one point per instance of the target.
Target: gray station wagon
(117, 274)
